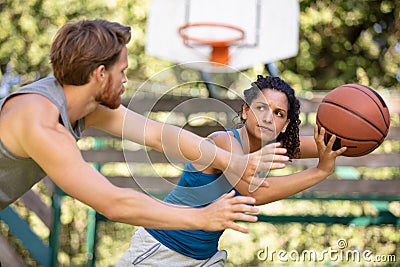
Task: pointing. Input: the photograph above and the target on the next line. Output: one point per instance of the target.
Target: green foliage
(340, 41)
(295, 239)
(346, 42)
(113, 241)
(244, 250)
(29, 26)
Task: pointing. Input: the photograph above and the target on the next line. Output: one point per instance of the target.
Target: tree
(346, 42)
(28, 27)
(340, 41)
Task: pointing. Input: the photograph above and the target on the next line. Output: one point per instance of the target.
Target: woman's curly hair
(290, 138)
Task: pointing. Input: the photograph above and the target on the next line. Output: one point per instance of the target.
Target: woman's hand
(326, 155)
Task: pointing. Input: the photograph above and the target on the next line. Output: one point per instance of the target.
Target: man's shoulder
(43, 82)
(44, 94)
(25, 116)
(30, 107)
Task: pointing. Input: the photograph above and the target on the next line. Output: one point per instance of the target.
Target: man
(41, 122)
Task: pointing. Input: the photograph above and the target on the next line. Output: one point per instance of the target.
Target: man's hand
(252, 168)
(223, 213)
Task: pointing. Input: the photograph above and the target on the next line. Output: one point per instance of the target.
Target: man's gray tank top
(17, 174)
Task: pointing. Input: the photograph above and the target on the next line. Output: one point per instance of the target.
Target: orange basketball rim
(220, 45)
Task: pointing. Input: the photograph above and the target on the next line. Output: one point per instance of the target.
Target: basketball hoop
(220, 44)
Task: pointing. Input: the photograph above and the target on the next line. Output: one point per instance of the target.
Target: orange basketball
(357, 115)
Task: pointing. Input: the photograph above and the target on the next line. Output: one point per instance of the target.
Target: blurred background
(340, 42)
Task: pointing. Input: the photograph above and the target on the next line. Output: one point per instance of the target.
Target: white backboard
(271, 29)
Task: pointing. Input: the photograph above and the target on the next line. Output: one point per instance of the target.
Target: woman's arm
(308, 147)
(288, 185)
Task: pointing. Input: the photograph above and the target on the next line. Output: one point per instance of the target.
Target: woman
(270, 114)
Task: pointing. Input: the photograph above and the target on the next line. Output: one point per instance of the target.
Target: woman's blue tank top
(195, 189)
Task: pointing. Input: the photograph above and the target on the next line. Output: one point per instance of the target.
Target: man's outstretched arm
(185, 145)
(42, 138)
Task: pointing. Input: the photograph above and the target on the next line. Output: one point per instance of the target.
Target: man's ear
(99, 73)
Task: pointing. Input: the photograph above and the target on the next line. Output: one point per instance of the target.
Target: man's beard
(108, 96)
